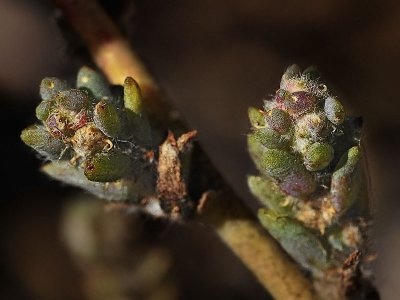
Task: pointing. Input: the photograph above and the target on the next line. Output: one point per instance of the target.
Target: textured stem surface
(225, 212)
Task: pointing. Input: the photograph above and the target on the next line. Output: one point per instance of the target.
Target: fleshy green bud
(334, 110)
(270, 138)
(256, 151)
(298, 241)
(133, 101)
(306, 200)
(51, 86)
(268, 193)
(313, 126)
(133, 97)
(346, 180)
(278, 163)
(43, 110)
(106, 167)
(278, 120)
(298, 183)
(256, 117)
(42, 141)
(291, 80)
(106, 118)
(318, 156)
(282, 96)
(62, 170)
(73, 99)
(94, 82)
(300, 103)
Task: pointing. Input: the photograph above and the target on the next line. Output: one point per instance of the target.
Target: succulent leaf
(107, 167)
(334, 110)
(346, 179)
(278, 163)
(268, 193)
(73, 99)
(256, 117)
(278, 120)
(89, 79)
(51, 86)
(107, 119)
(134, 106)
(269, 138)
(43, 109)
(133, 97)
(65, 172)
(298, 183)
(42, 141)
(318, 156)
(298, 241)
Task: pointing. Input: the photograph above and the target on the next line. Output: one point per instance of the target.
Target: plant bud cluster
(95, 136)
(311, 182)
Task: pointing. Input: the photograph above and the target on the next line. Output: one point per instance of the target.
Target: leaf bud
(106, 167)
(278, 120)
(43, 109)
(73, 99)
(298, 183)
(93, 81)
(296, 239)
(51, 86)
(106, 118)
(256, 117)
(334, 110)
(42, 141)
(318, 156)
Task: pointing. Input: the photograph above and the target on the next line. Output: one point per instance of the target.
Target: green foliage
(295, 143)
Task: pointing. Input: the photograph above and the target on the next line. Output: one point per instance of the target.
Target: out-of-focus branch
(222, 210)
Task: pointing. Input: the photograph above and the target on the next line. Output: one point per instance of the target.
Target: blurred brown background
(214, 59)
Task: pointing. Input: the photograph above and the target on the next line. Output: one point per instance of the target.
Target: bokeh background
(214, 59)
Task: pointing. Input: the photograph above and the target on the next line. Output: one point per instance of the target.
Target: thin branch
(232, 220)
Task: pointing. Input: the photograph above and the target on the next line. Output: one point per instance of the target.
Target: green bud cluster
(95, 136)
(308, 153)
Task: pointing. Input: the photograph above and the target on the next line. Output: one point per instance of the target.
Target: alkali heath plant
(311, 181)
(98, 137)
